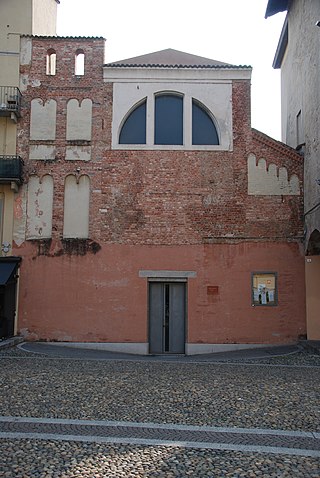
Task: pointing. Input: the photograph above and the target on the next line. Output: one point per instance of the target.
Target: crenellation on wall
(264, 179)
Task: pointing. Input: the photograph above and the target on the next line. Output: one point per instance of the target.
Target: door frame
(164, 281)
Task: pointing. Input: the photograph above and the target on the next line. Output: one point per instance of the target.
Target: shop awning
(7, 270)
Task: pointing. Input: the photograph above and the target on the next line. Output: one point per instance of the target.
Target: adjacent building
(17, 17)
(298, 57)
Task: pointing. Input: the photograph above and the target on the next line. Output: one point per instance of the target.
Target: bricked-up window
(43, 119)
(51, 62)
(168, 119)
(264, 289)
(204, 130)
(79, 119)
(133, 130)
(76, 207)
(79, 63)
(39, 207)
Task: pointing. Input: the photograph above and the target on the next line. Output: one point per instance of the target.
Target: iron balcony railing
(11, 169)
(10, 101)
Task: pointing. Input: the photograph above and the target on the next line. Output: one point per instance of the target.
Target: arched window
(133, 130)
(79, 63)
(51, 62)
(203, 127)
(173, 119)
(168, 119)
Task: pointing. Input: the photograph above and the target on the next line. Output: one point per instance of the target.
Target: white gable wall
(211, 86)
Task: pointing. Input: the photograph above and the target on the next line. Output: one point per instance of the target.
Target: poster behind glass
(264, 288)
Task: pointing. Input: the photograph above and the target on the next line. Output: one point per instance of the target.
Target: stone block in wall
(78, 153)
(42, 152)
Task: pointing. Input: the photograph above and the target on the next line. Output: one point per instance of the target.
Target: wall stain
(70, 247)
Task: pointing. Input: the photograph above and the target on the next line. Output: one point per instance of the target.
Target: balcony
(10, 102)
(11, 169)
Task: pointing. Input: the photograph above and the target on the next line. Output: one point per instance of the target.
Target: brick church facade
(152, 218)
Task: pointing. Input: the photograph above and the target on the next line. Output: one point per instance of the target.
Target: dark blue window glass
(203, 128)
(133, 130)
(168, 119)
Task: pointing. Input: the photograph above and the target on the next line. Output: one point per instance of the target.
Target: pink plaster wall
(100, 297)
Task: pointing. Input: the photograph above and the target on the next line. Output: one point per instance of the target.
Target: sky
(231, 31)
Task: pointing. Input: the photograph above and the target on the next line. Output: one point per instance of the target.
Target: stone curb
(11, 342)
(244, 440)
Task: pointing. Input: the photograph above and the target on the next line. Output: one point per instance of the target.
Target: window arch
(204, 130)
(168, 118)
(51, 62)
(133, 130)
(79, 63)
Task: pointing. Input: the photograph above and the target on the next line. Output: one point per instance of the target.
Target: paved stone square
(144, 418)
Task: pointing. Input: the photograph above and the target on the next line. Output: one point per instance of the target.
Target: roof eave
(202, 67)
(276, 6)
(282, 46)
(56, 37)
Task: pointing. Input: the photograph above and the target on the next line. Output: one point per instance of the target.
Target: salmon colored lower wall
(101, 298)
(312, 269)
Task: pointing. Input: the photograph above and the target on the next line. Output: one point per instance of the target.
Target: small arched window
(133, 130)
(204, 130)
(168, 119)
(51, 62)
(79, 63)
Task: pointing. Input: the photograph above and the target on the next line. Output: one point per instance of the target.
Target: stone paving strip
(214, 438)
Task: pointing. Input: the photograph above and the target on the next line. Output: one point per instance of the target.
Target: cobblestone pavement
(121, 418)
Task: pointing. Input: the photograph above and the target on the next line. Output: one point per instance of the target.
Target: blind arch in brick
(43, 119)
(76, 207)
(39, 207)
(79, 120)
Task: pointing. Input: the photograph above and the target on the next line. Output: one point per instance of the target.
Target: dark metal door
(7, 310)
(167, 305)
